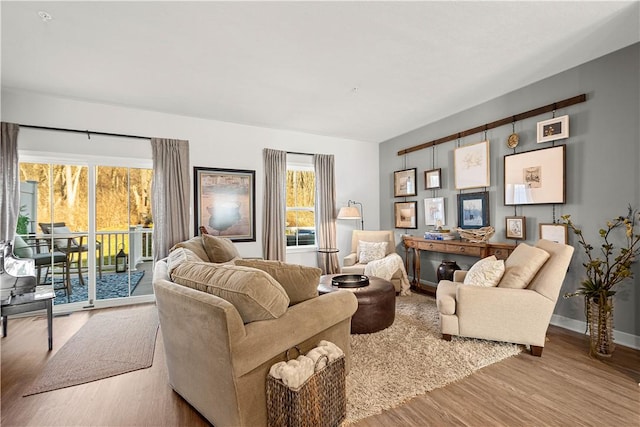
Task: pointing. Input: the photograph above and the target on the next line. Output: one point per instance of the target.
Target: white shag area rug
(410, 358)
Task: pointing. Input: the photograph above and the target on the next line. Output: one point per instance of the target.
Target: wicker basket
(320, 401)
(479, 235)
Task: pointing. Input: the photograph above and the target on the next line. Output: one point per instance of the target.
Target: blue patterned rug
(113, 285)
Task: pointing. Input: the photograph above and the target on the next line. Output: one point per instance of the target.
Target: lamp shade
(349, 212)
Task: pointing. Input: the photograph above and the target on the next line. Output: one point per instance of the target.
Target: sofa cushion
(195, 245)
(255, 294)
(178, 256)
(522, 265)
(486, 272)
(299, 281)
(219, 249)
(371, 251)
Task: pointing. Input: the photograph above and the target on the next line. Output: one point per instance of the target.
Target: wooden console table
(459, 247)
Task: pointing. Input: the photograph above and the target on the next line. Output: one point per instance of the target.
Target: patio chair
(70, 244)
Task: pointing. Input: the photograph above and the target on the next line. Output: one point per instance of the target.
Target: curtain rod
(511, 119)
(301, 154)
(87, 132)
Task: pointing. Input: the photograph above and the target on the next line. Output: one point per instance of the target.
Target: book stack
(439, 235)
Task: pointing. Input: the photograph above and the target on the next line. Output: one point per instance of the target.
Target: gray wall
(602, 170)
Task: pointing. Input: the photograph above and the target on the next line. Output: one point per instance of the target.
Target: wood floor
(562, 388)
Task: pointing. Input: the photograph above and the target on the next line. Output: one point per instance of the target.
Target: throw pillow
(371, 251)
(178, 256)
(486, 272)
(255, 294)
(299, 281)
(195, 245)
(522, 265)
(21, 249)
(219, 249)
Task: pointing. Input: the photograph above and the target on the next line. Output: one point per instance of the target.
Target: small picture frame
(558, 233)
(553, 129)
(405, 214)
(434, 213)
(516, 227)
(471, 166)
(404, 182)
(433, 179)
(473, 210)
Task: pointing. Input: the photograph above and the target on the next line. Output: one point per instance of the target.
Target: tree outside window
(301, 193)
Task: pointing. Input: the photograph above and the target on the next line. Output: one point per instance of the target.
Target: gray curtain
(170, 199)
(274, 244)
(10, 189)
(326, 207)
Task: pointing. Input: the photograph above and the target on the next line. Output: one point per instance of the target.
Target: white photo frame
(434, 213)
(558, 233)
(535, 177)
(471, 166)
(553, 129)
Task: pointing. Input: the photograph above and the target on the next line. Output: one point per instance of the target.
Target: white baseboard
(622, 338)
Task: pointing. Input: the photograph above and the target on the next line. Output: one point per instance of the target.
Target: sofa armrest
(267, 339)
(459, 275)
(350, 260)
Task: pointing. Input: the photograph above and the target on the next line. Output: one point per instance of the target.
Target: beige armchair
(352, 264)
(503, 313)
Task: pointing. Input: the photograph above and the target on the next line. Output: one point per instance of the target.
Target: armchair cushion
(299, 282)
(195, 245)
(178, 256)
(219, 249)
(486, 272)
(371, 251)
(21, 249)
(255, 294)
(522, 265)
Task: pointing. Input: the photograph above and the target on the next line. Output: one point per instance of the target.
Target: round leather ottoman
(376, 303)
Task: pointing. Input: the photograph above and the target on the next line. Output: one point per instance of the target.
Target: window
(301, 195)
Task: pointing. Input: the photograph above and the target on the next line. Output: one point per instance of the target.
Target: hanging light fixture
(351, 212)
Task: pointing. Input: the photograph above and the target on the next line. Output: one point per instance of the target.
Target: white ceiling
(361, 70)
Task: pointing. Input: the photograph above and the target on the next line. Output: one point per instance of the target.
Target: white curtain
(274, 244)
(10, 188)
(170, 199)
(326, 207)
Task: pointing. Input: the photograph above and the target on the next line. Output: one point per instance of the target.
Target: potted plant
(22, 225)
(605, 268)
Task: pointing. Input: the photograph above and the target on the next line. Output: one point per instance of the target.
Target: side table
(42, 298)
(327, 258)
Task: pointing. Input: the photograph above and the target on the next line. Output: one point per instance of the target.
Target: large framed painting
(473, 210)
(535, 177)
(406, 214)
(471, 166)
(225, 202)
(404, 183)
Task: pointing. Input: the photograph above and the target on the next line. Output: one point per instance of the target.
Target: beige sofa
(352, 264)
(217, 361)
(518, 311)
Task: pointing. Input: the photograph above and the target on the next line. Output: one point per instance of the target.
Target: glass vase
(601, 327)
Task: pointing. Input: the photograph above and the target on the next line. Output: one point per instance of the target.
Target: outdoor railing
(138, 247)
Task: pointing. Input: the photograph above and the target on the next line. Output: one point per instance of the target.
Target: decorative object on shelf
(473, 210)
(516, 227)
(478, 235)
(513, 140)
(535, 177)
(352, 212)
(445, 270)
(553, 129)
(555, 232)
(434, 213)
(604, 271)
(225, 200)
(433, 179)
(471, 166)
(404, 183)
(405, 214)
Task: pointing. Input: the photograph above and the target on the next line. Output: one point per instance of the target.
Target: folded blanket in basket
(294, 373)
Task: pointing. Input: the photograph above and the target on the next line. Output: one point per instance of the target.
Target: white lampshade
(349, 212)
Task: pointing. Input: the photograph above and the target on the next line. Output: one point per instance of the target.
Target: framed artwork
(433, 179)
(555, 232)
(473, 210)
(516, 227)
(225, 202)
(471, 166)
(404, 182)
(405, 214)
(434, 213)
(535, 177)
(553, 129)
